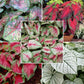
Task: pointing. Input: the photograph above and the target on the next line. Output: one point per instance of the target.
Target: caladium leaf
(71, 76)
(1, 78)
(55, 31)
(57, 49)
(28, 70)
(76, 81)
(18, 79)
(3, 61)
(73, 25)
(69, 65)
(66, 12)
(76, 8)
(15, 46)
(46, 49)
(12, 31)
(50, 76)
(26, 56)
(33, 44)
(8, 75)
(35, 12)
(16, 68)
(21, 5)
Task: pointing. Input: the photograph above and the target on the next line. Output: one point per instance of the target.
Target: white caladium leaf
(46, 49)
(33, 44)
(80, 58)
(69, 65)
(12, 31)
(26, 56)
(76, 81)
(50, 76)
(21, 5)
(57, 49)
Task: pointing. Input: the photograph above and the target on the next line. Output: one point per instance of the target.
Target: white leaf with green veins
(50, 76)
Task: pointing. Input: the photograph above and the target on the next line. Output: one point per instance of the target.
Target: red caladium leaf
(18, 79)
(4, 45)
(8, 75)
(66, 12)
(50, 8)
(28, 70)
(15, 46)
(73, 24)
(54, 15)
(16, 68)
(9, 57)
(76, 8)
(66, 3)
(40, 65)
(1, 78)
(3, 61)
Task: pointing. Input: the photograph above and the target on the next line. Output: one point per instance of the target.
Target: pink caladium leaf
(33, 44)
(3, 61)
(26, 56)
(46, 49)
(57, 49)
(21, 5)
(54, 31)
(18, 79)
(16, 68)
(60, 57)
(53, 57)
(28, 70)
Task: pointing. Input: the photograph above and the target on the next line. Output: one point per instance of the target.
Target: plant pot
(68, 37)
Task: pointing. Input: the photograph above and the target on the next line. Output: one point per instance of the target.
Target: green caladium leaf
(69, 65)
(26, 56)
(50, 76)
(71, 76)
(12, 31)
(33, 44)
(76, 81)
